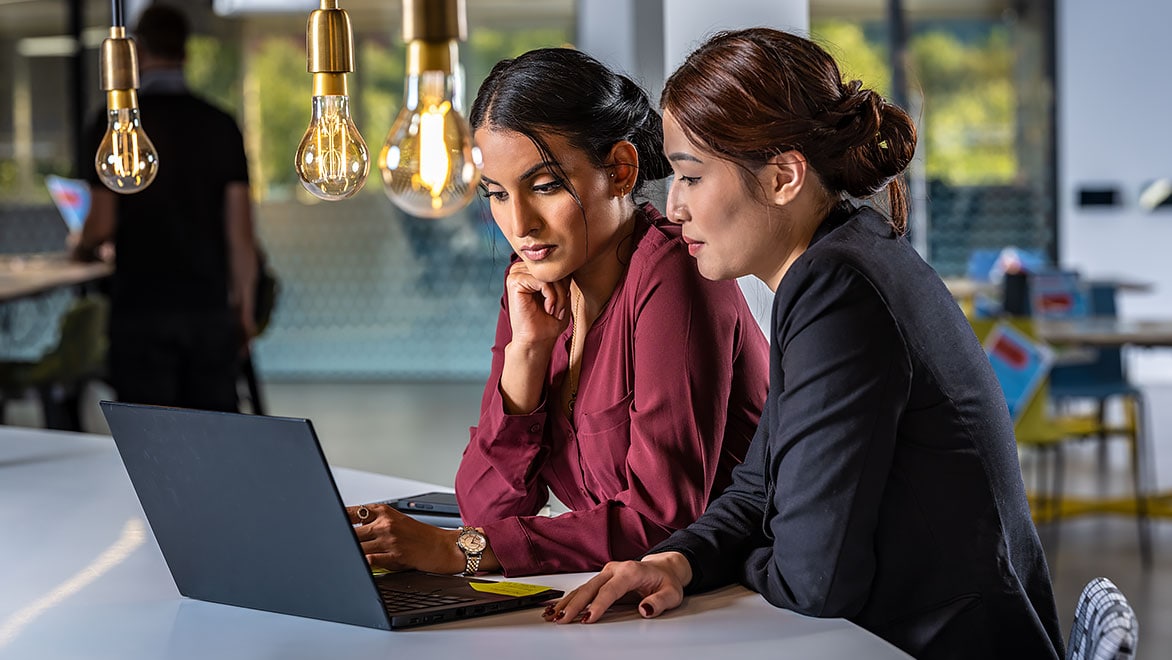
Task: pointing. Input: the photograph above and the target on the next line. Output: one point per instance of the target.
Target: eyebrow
(542, 166)
(683, 155)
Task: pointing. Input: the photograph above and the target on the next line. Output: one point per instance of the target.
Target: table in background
(1106, 331)
(22, 276)
(1093, 332)
(81, 576)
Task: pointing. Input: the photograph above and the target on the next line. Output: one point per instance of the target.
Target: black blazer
(883, 484)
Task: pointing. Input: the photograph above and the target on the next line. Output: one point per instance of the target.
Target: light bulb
(126, 159)
(429, 164)
(332, 160)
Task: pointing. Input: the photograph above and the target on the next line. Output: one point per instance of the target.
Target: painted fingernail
(548, 611)
(560, 615)
(585, 616)
(646, 609)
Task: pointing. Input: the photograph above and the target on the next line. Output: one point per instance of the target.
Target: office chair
(1105, 627)
(1099, 381)
(60, 375)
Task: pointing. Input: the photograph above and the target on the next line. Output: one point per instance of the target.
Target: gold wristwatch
(472, 543)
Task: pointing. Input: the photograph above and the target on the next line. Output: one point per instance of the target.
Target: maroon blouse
(674, 374)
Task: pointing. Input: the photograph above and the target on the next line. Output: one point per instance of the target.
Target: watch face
(472, 541)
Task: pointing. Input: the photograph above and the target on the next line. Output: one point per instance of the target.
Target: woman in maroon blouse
(622, 380)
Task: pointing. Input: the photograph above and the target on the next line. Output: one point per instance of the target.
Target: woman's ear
(783, 177)
(623, 163)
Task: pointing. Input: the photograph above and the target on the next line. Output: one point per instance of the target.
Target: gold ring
(363, 514)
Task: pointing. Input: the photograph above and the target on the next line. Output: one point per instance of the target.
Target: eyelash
(541, 189)
(687, 180)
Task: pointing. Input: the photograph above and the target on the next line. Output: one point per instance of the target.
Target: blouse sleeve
(826, 447)
(499, 475)
(690, 337)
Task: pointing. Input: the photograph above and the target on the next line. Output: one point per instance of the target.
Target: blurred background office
(1042, 127)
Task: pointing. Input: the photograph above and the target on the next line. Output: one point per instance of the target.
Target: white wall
(1114, 107)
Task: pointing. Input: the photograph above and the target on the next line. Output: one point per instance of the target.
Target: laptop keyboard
(404, 601)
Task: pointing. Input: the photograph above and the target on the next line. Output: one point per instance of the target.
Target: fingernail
(548, 611)
(646, 609)
(584, 617)
(560, 615)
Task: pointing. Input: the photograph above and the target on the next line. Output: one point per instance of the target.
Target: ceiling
(24, 18)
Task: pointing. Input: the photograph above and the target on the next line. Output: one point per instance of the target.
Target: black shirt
(170, 243)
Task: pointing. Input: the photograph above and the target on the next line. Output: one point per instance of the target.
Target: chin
(547, 272)
(715, 272)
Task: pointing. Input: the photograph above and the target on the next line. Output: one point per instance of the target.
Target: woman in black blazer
(883, 484)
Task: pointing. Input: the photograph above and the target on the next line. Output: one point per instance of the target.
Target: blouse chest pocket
(604, 439)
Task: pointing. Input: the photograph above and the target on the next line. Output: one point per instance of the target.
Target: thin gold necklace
(575, 369)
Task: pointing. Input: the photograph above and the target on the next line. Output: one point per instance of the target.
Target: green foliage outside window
(213, 71)
(968, 115)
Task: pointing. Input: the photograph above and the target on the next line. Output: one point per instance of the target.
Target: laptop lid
(72, 199)
(246, 512)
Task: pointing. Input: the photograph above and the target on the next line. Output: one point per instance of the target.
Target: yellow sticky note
(377, 571)
(508, 588)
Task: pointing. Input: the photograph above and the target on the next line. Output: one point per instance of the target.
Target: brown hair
(748, 95)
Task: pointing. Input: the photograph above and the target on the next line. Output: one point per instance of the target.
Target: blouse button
(536, 428)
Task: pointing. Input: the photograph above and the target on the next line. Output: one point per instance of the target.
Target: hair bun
(857, 113)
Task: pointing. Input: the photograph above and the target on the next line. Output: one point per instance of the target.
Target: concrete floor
(419, 430)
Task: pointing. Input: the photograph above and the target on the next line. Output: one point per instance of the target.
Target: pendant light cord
(117, 17)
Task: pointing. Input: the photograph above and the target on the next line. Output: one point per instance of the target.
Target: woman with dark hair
(622, 380)
(883, 484)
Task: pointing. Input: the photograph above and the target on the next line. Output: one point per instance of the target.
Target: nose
(677, 210)
(520, 220)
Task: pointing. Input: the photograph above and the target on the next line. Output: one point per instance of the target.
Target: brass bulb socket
(118, 62)
(329, 84)
(434, 20)
(121, 99)
(329, 42)
(432, 56)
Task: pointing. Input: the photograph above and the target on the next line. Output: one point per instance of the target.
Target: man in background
(184, 283)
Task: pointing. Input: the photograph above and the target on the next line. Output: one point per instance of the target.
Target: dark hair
(162, 31)
(561, 91)
(748, 95)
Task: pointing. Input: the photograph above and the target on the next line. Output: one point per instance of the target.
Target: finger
(355, 518)
(364, 514)
(608, 593)
(591, 599)
(659, 602)
(575, 599)
(384, 560)
(561, 296)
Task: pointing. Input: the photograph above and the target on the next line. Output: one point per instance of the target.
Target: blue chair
(1105, 626)
(1099, 381)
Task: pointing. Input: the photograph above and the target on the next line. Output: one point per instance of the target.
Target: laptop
(246, 513)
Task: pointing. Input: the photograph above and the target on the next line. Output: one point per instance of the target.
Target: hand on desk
(396, 541)
(659, 579)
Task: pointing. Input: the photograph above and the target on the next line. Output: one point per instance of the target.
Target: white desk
(82, 577)
(24, 276)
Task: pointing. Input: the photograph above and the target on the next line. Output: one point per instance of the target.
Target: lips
(536, 252)
(693, 245)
